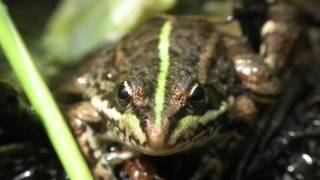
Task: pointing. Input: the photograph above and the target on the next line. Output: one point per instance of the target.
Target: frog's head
(164, 106)
(177, 117)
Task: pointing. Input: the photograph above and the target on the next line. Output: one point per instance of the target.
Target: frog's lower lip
(165, 151)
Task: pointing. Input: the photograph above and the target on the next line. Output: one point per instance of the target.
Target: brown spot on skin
(138, 96)
(178, 95)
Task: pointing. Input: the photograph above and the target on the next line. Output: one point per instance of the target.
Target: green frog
(174, 85)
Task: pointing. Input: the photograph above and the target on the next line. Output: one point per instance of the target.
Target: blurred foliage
(59, 33)
(78, 26)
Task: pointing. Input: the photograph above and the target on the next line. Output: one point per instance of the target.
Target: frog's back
(186, 43)
(196, 51)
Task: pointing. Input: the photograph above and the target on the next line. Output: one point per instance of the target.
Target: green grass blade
(40, 97)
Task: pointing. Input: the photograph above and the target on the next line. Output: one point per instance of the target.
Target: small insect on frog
(170, 87)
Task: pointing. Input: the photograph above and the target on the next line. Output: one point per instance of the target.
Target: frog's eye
(124, 93)
(197, 96)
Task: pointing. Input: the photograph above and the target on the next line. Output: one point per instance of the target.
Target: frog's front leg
(86, 124)
(255, 76)
(283, 42)
(258, 81)
(282, 37)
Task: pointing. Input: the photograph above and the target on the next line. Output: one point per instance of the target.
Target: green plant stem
(41, 99)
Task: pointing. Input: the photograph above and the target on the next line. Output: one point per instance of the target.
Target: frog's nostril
(145, 114)
(145, 118)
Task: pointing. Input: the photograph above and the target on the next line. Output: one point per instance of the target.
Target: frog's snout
(157, 135)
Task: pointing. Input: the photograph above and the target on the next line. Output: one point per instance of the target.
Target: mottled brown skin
(200, 54)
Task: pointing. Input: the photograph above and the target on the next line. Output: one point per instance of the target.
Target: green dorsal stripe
(163, 46)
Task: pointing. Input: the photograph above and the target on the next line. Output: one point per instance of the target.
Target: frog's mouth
(191, 131)
(195, 140)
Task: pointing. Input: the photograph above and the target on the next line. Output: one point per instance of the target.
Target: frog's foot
(115, 158)
(103, 168)
(83, 120)
(103, 171)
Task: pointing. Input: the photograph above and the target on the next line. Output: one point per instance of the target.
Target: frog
(174, 85)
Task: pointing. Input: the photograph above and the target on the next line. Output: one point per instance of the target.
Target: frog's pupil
(123, 93)
(197, 94)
